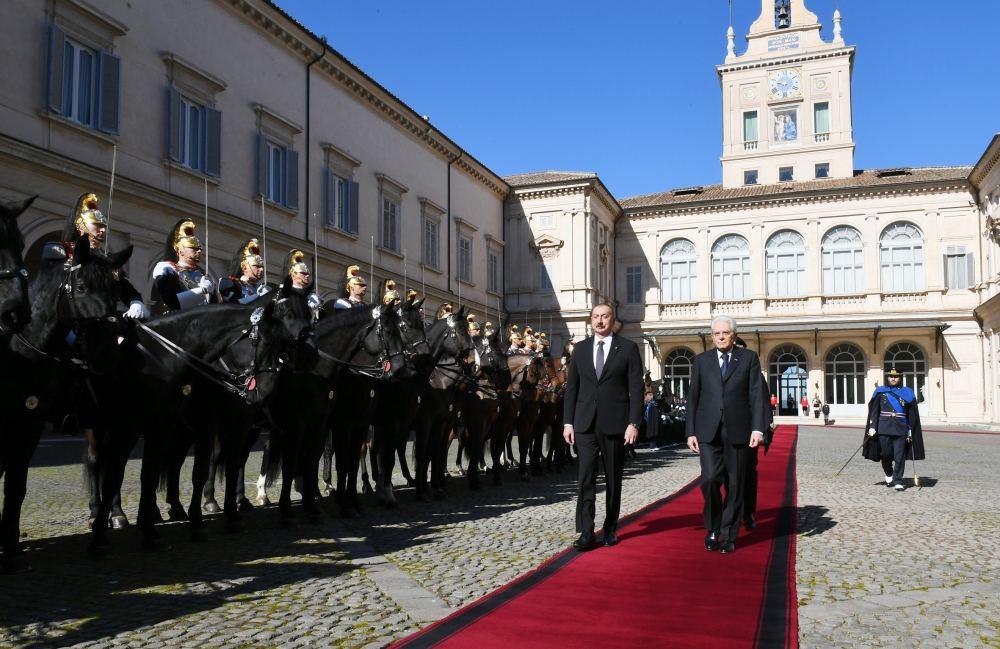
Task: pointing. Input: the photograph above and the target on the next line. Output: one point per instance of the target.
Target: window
(342, 203)
(194, 134)
(750, 134)
(959, 271)
(678, 271)
(750, 177)
(432, 240)
(545, 273)
(278, 172)
(787, 378)
(902, 258)
(786, 174)
(821, 121)
(493, 271)
(731, 268)
(910, 362)
(633, 285)
(822, 169)
(843, 261)
(83, 82)
(677, 371)
(845, 375)
(391, 224)
(786, 264)
(465, 259)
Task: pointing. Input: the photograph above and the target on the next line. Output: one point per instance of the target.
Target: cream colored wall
(43, 155)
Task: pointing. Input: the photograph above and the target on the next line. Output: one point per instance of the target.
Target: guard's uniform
(352, 278)
(895, 420)
(236, 290)
(176, 288)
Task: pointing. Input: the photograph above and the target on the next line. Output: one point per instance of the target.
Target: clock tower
(786, 100)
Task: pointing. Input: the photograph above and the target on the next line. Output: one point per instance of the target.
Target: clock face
(784, 84)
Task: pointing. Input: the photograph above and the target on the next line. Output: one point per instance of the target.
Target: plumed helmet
(181, 236)
(390, 295)
(411, 295)
(444, 311)
(893, 372)
(295, 262)
(87, 213)
(488, 329)
(247, 254)
(473, 325)
(513, 335)
(543, 340)
(353, 277)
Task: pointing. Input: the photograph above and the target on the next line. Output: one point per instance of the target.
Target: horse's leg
(458, 453)
(509, 444)
(265, 463)
(90, 472)
(328, 461)
(244, 504)
(537, 441)
(289, 459)
(474, 446)
(385, 459)
(211, 505)
(422, 451)
(363, 462)
(176, 453)
(496, 450)
(200, 475)
(19, 447)
(404, 434)
(154, 453)
(357, 441)
(233, 440)
(439, 455)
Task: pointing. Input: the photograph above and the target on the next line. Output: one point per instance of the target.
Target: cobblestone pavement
(874, 567)
(351, 583)
(877, 568)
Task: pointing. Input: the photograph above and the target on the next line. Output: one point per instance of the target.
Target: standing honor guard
(893, 429)
(87, 219)
(355, 288)
(178, 281)
(244, 284)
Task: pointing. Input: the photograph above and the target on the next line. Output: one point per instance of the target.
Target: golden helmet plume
(184, 236)
(513, 333)
(411, 295)
(391, 294)
(444, 311)
(353, 277)
(88, 214)
(250, 255)
(296, 262)
(488, 328)
(473, 325)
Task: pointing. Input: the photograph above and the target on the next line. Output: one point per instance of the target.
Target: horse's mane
(345, 318)
(10, 235)
(98, 274)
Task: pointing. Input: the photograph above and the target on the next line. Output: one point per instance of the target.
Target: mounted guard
(298, 271)
(444, 311)
(390, 296)
(244, 283)
(179, 283)
(515, 341)
(355, 288)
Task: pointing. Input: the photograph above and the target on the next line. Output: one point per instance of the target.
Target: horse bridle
(411, 349)
(15, 320)
(383, 362)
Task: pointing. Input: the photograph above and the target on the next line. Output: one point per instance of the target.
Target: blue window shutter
(292, 178)
(57, 48)
(352, 205)
(109, 93)
(174, 124)
(261, 164)
(213, 142)
(328, 198)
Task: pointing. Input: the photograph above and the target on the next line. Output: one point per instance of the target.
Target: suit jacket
(735, 399)
(609, 404)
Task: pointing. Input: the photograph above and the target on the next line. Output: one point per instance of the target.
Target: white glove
(314, 301)
(871, 432)
(205, 285)
(137, 311)
(263, 289)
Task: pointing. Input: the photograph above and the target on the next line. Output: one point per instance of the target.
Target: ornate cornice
(785, 60)
(986, 162)
(783, 201)
(366, 89)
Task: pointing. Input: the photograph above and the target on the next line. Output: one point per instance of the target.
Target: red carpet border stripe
(658, 587)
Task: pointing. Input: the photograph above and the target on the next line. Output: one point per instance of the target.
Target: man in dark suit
(601, 414)
(725, 419)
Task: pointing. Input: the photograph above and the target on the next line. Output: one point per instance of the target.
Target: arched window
(845, 375)
(786, 264)
(678, 271)
(787, 377)
(843, 262)
(910, 362)
(677, 371)
(731, 268)
(902, 255)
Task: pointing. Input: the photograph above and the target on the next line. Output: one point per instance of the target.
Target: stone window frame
(390, 189)
(277, 130)
(340, 165)
(465, 230)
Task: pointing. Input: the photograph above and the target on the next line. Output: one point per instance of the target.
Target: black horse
(482, 406)
(73, 335)
(15, 306)
(440, 405)
(209, 369)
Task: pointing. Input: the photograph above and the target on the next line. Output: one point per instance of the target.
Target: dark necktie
(599, 366)
(725, 363)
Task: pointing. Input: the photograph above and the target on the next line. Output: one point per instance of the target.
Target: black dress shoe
(749, 522)
(728, 547)
(610, 539)
(712, 541)
(584, 542)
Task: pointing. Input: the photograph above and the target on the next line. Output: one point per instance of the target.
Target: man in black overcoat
(602, 410)
(725, 419)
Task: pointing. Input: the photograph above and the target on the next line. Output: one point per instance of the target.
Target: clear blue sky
(628, 89)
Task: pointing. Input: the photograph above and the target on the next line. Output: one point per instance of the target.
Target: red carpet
(658, 587)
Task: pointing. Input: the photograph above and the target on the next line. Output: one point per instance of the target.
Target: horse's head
(492, 361)
(382, 342)
(414, 337)
(15, 306)
(87, 305)
(280, 334)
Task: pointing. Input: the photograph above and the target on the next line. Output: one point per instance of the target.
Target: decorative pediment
(547, 246)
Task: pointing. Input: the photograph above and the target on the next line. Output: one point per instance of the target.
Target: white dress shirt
(607, 347)
(718, 353)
